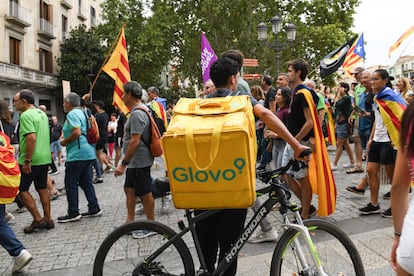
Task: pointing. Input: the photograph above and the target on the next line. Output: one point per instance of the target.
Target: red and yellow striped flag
(117, 68)
(400, 40)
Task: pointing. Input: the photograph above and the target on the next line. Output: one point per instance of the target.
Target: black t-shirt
(121, 125)
(102, 121)
(270, 97)
(296, 118)
(55, 132)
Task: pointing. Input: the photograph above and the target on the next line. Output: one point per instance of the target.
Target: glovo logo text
(189, 174)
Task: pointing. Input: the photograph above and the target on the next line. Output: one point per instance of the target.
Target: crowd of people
(356, 112)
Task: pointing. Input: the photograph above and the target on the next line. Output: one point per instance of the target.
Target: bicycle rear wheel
(337, 253)
(121, 254)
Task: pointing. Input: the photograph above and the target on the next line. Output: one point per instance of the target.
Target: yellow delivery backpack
(210, 152)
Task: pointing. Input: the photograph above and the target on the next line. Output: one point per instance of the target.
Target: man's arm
(277, 126)
(75, 134)
(272, 106)
(132, 147)
(30, 147)
(308, 126)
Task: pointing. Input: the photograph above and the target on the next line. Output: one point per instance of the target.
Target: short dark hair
(221, 70)
(300, 64)
(100, 103)
(235, 55)
(267, 79)
(27, 95)
(134, 89)
(154, 90)
(344, 85)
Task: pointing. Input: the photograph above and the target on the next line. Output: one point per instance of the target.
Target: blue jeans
(96, 165)
(7, 237)
(79, 173)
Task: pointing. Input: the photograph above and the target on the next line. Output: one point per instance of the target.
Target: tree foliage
(81, 57)
(165, 34)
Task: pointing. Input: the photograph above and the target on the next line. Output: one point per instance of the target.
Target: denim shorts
(288, 154)
(342, 131)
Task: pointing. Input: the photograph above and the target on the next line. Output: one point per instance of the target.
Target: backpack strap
(148, 114)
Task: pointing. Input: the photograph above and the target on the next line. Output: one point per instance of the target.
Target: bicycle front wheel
(126, 250)
(337, 254)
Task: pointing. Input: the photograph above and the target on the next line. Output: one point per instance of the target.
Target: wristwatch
(124, 163)
(28, 161)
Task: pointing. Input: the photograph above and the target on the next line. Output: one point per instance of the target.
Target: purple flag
(207, 57)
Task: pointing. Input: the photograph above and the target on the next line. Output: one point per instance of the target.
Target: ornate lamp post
(278, 45)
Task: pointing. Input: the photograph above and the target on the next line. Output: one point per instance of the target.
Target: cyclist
(222, 229)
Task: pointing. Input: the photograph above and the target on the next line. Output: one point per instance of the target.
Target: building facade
(31, 32)
(403, 67)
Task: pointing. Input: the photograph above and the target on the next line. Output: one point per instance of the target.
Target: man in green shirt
(34, 158)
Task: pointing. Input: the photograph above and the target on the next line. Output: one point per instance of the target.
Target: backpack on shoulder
(92, 134)
(155, 144)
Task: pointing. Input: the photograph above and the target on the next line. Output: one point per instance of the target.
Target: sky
(383, 22)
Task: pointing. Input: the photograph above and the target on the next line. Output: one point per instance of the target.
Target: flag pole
(104, 62)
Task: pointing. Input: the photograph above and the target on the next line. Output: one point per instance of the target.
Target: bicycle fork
(298, 249)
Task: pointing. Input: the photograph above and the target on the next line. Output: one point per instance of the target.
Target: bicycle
(306, 247)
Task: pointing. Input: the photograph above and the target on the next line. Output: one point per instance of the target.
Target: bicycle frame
(276, 195)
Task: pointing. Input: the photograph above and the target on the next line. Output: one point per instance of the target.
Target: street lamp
(278, 45)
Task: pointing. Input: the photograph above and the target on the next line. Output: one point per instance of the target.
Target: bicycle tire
(337, 253)
(121, 254)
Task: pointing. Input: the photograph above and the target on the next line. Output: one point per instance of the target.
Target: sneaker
(354, 189)
(139, 209)
(95, 213)
(21, 260)
(387, 213)
(165, 204)
(387, 195)
(333, 167)
(53, 172)
(98, 180)
(370, 209)
(20, 209)
(67, 218)
(261, 236)
(8, 217)
(140, 234)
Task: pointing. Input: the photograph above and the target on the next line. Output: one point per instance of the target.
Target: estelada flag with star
(355, 55)
(117, 68)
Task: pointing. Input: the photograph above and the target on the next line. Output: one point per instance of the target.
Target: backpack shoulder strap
(150, 121)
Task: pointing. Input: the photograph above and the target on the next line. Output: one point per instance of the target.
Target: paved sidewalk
(70, 248)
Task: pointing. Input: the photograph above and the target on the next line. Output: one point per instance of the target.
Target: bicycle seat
(162, 184)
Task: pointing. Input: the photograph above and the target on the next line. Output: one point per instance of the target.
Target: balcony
(16, 73)
(82, 12)
(45, 29)
(66, 4)
(18, 15)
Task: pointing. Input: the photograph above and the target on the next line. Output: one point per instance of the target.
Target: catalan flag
(331, 62)
(400, 40)
(330, 124)
(355, 55)
(117, 68)
(9, 171)
(320, 173)
(391, 106)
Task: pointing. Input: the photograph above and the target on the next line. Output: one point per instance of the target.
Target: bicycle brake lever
(304, 153)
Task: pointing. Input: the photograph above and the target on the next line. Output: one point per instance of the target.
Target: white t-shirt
(380, 134)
